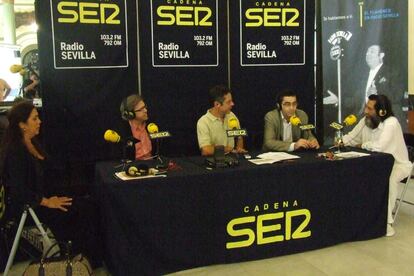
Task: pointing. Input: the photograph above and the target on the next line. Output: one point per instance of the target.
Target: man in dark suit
(380, 79)
(279, 133)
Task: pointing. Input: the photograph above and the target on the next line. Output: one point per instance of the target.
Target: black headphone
(137, 170)
(127, 114)
(279, 101)
(380, 107)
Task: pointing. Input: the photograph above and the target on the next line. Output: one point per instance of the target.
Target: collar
(283, 118)
(211, 117)
(137, 127)
(376, 69)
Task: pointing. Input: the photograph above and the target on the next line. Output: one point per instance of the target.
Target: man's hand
(313, 144)
(301, 143)
(240, 150)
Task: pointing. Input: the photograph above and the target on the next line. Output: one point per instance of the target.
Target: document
(272, 157)
(124, 176)
(351, 154)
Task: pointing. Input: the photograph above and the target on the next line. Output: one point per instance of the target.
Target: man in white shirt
(380, 131)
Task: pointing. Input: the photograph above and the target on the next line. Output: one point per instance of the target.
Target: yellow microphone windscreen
(233, 123)
(112, 136)
(152, 128)
(350, 120)
(294, 120)
(15, 68)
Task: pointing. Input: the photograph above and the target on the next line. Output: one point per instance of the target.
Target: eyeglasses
(141, 109)
(289, 104)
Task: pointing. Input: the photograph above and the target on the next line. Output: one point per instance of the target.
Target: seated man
(134, 110)
(212, 126)
(279, 133)
(380, 131)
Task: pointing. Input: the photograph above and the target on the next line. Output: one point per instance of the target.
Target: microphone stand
(161, 164)
(125, 160)
(338, 140)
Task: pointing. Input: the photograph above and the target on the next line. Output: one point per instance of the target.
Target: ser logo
(184, 16)
(268, 228)
(272, 17)
(88, 13)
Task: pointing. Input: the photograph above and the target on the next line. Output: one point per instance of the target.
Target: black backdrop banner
(81, 97)
(350, 29)
(255, 86)
(272, 33)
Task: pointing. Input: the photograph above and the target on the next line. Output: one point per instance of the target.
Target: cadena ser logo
(269, 223)
(88, 12)
(184, 13)
(271, 14)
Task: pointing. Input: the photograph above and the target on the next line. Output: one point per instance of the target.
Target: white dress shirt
(287, 132)
(387, 137)
(370, 81)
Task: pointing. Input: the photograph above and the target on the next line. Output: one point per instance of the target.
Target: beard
(372, 122)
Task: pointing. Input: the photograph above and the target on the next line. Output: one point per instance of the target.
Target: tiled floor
(383, 256)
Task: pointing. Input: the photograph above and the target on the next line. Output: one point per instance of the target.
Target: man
(4, 90)
(31, 86)
(380, 131)
(134, 110)
(212, 127)
(380, 80)
(279, 133)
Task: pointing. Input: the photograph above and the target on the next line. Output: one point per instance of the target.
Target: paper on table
(124, 176)
(351, 154)
(272, 157)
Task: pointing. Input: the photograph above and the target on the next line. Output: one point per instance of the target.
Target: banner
(364, 52)
(89, 34)
(272, 33)
(184, 33)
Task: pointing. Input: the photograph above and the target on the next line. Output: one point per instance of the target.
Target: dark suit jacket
(386, 82)
(273, 131)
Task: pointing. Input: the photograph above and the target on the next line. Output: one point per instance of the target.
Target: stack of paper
(351, 154)
(272, 157)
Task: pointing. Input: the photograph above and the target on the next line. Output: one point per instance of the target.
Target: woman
(22, 163)
(134, 110)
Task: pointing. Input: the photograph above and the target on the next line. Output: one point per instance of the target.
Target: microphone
(155, 134)
(295, 121)
(234, 128)
(17, 68)
(348, 121)
(113, 137)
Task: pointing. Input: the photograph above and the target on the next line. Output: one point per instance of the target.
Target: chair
(406, 181)
(6, 222)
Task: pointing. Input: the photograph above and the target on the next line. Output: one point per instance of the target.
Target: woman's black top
(23, 175)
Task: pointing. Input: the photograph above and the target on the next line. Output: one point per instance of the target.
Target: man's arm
(272, 133)
(354, 138)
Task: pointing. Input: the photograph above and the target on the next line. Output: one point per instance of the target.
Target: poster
(272, 33)
(184, 33)
(364, 52)
(89, 34)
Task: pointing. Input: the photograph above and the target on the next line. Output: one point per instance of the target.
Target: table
(198, 217)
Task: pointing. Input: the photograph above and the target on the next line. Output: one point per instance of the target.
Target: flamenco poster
(364, 52)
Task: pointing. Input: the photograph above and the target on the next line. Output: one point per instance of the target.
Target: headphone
(137, 170)
(279, 99)
(380, 107)
(127, 114)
